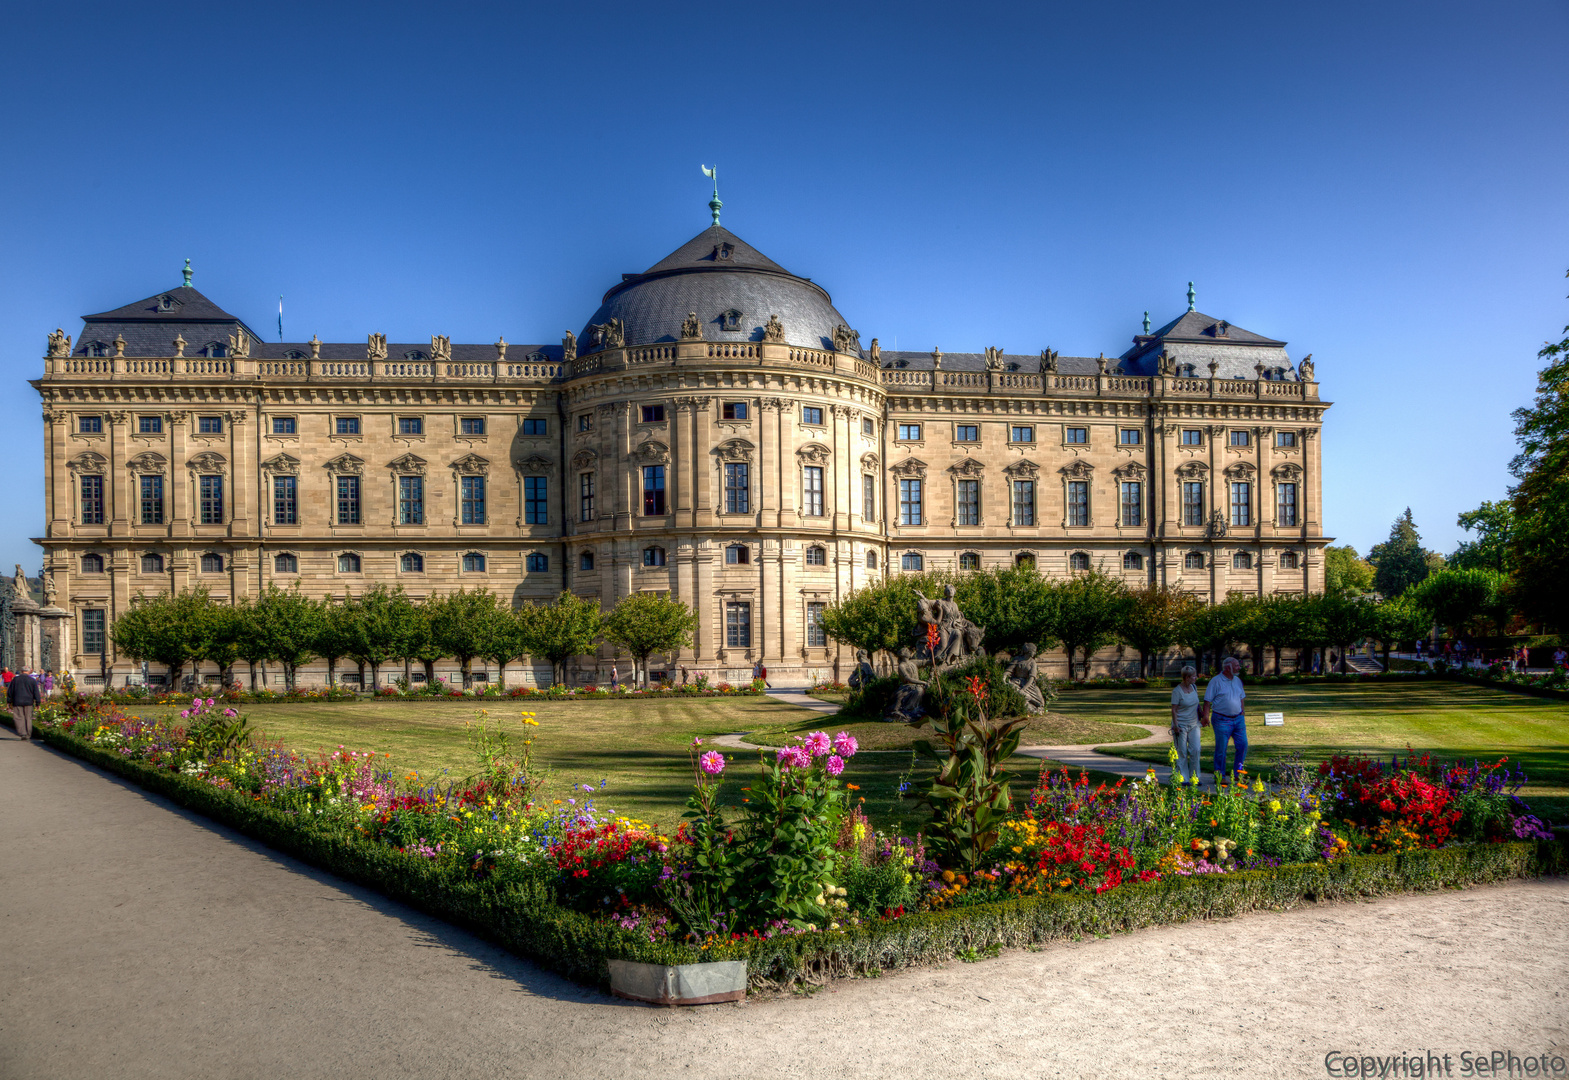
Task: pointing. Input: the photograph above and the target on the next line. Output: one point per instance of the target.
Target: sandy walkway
(138, 941)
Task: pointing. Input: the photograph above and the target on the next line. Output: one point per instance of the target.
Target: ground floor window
(738, 624)
(816, 637)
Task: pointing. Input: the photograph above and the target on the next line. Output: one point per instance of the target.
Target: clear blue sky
(1381, 185)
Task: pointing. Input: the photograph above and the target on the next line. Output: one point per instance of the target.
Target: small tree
(1210, 629)
(1345, 620)
(249, 645)
(225, 628)
(1459, 599)
(1399, 562)
(559, 631)
(1015, 605)
(881, 617)
(1090, 609)
(463, 625)
(646, 623)
(167, 629)
(373, 625)
(335, 634)
(1347, 572)
(1399, 620)
(1152, 618)
(287, 621)
(507, 642)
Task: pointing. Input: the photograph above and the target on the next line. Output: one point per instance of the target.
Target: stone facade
(721, 435)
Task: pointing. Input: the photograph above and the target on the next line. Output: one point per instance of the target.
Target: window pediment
(147, 462)
(346, 465)
(408, 465)
(652, 452)
(88, 462)
(282, 465)
(536, 465)
(1192, 470)
(910, 466)
(1129, 470)
(968, 467)
(1023, 469)
(735, 450)
(583, 459)
(1078, 469)
(1240, 470)
(815, 453)
(472, 465)
(1288, 472)
(208, 462)
(869, 461)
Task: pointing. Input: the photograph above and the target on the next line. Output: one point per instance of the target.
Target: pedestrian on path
(1223, 705)
(23, 694)
(1185, 723)
(615, 677)
(760, 672)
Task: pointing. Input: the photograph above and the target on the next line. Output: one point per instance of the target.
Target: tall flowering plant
(700, 889)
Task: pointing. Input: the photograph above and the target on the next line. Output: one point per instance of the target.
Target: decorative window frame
(290, 553)
(1026, 556)
(334, 433)
(161, 556)
(397, 419)
(806, 557)
(1132, 472)
(337, 562)
(968, 553)
(899, 440)
(209, 463)
(269, 433)
(968, 469)
(1034, 429)
(225, 562)
(650, 452)
(753, 553)
(1089, 561)
(1137, 555)
(1023, 469)
(415, 552)
(1079, 470)
(916, 553)
(1088, 429)
(1204, 563)
(483, 554)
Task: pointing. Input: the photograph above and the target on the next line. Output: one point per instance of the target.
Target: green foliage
(1494, 524)
(465, 624)
(1541, 499)
(1213, 628)
(785, 867)
(560, 630)
(1090, 612)
(1462, 599)
(646, 623)
(1401, 561)
(1016, 605)
(1345, 620)
(287, 623)
(1153, 618)
(880, 617)
(168, 629)
(1346, 572)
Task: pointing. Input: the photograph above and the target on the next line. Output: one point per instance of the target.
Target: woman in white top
(1185, 723)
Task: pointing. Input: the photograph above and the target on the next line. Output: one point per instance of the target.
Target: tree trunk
(465, 663)
(1277, 660)
(332, 672)
(253, 676)
(501, 675)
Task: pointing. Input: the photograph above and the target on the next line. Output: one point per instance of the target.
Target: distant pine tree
(1399, 562)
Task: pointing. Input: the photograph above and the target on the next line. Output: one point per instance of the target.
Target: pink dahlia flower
(845, 743)
(713, 762)
(817, 743)
(835, 765)
(794, 757)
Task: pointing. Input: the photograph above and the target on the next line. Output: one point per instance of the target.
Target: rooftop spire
(1192, 296)
(1146, 323)
(714, 204)
(187, 273)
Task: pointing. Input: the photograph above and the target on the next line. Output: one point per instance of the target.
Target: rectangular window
(211, 500)
(411, 500)
(967, 433)
(152, 500)
(868, 426)
(1076, 435)
(816, 637)
(912, 561)
(1242, 504)
(1133, 503)
(1078, 502)
(348, 425)
(475, 425)
(585, 496)
(1193, 503)
(1240, 438)
(348, 500)
(472, 510)
(1016, 433)
(1285, 504)
(812, 490)
(909, 432)
(738, 488)
(536, 500)
(738, 624)
(653, 490)
(536, 563)
(283, 425)
(585, 422)
(869, 496)
(1024, 502)
(90, 425)
(653, 414)
(285, 504)
(733, 410)
(209, 425)
(149, 425)
(1192, 437)
(92, 500)
(93, 631)
(969, 497)
(411, 425)
(909, 502)
(1129, 437)
(811, 414)
(1285, 438)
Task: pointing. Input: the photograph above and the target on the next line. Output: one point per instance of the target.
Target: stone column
(769, 423)
(710, 634)
(181, 510)
(770, 619)
(682, 480)
(118, 484)
(242, 468)
(58, 493)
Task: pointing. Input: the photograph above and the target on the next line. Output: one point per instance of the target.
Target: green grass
(1053, 729)
(1455, 721)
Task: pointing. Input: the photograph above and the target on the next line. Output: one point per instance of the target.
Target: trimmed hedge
(528, 923)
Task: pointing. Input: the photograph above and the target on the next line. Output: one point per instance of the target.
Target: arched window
(737, 555)
(348, 563)
(536, 563)
(585, 561)
(412, 562)
(969, 561)
(1024, 559)
(295, 354)
(1193, 560)
(1132, 560)
(285, 563)
(212, 563)
(911, 561)
(871, 560)
(215, 348)
(816, 556)
(1241, 560)
(1079, 560)
(92, 564)
(653, 556)
(473, 562)
(1288, 560)
(152, 563)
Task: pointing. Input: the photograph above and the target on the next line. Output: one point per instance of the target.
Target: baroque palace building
(717, 431)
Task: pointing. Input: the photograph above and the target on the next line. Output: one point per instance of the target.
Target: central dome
(731, 287)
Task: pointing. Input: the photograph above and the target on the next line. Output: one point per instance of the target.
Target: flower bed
(794, 881)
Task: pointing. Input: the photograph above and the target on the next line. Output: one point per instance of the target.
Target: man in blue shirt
(1223, 706)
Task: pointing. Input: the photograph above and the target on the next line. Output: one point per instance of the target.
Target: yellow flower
(1274, 804)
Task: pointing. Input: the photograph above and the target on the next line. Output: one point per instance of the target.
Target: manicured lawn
(1054, 729)
(1452, 720)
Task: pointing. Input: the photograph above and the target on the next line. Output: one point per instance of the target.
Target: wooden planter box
(681, 984)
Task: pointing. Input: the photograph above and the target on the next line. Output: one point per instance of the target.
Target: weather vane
(714, 204)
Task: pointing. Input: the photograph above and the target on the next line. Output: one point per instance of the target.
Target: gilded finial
(1192, 296)
(1146, 323)
(714, 205)
(187, 273)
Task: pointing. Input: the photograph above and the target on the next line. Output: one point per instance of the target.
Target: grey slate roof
(1194, 338)
(149, 327)
(1029, 363)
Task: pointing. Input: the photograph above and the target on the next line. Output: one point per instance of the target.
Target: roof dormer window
(98, 348)
(730, 320)
(414, 355)
(295, 354)
(166, 303)
(215, 348)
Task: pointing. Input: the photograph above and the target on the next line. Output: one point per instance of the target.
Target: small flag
(710, 172)
(280, 318)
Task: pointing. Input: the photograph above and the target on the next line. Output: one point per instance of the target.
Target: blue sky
(1381, 185)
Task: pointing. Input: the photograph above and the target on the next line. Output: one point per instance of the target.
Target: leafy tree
(1399, 562)
(561, 630)
(1277, 621)
(1537, 549)
(248, 645)
(463, 625)
(288, 621)
(881, 617)
(1346, 572)
(1210, 629)
(167, 629)
(646, 623)
(335, 634)
(1152, 618)
(1015, 605)
(1401, 619)
(225, 627)
(375, 623)
(1460, 599)
(1346, 620)
(1494, 524)
(1090, 608)
(507, 642)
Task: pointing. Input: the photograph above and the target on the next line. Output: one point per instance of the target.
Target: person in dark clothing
(23, 696)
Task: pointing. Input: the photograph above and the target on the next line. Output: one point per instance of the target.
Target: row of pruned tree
(384, 626)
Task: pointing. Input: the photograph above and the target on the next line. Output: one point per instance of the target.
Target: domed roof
(732, 287)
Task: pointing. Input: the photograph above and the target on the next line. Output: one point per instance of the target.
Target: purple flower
(793, 757)
(713, 763)
(835, 765)
(817, 743)
(845, 743)
(697, 741)
(196, 701)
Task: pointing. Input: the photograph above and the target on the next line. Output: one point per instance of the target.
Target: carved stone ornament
(1167, 364)
(471, 465)
(1309, 433)
(1078, 469)
(1240, 470)
(688, 404)
(1214, 366)
(55, 416)
(208, 462)
(281, 465)
(969, 467)
(177, 416)
(583, 459)
(1288, 472)
(536, 465)
(239, 343)
(772, 403)
(691, 328)
(1304, 367)
(501, 350)
(1192, 470)
(869, 461)
(569, 347)
(735, 450)
(1048, 362)
(441, 348)
(994, 358)
(875, 352)
(119, 345)
(147, 463)
(652, 452)
(846, 340)
(315, 344)
(608, 410)
(88, 462)
(909, 467)
(59, 343)
(1129, 470)
(119, 416)
(346, 465)
(408, 465)
(376, 347)
(1217, 525)
(1216, 431)
(237, 416)
(1023, 469)
(179, 345)
(814, 453)
(1100, 364)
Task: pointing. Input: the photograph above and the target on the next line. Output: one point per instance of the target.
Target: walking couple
(1223, 706)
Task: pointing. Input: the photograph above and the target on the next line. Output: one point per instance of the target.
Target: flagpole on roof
(280, 318)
